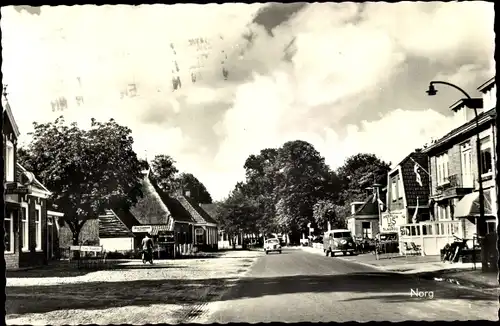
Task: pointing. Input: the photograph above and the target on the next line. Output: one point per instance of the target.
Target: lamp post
(480, 226)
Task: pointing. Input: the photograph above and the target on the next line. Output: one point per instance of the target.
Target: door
(466, 160)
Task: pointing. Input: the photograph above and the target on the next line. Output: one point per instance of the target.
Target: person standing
(147, 246)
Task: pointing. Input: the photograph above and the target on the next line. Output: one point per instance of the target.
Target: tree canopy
(87, 171)
(289, 187)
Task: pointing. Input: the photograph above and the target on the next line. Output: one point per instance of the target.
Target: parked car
(339, 240)
(387, 242)
(272, 245)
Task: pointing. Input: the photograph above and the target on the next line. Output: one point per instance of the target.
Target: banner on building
(391, 222)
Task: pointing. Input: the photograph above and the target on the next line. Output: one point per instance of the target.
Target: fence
(87, 257)
(430, 237)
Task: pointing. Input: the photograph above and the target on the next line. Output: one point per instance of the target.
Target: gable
(9, 123)
(411, 187)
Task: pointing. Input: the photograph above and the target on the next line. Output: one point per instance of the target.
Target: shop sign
(86, 248)
(142, 228)
(17, 191)
(390, 222)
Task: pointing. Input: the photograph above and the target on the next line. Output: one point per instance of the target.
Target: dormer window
(9, 161)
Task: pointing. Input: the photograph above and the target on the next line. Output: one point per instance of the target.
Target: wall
(490, 98)
(358, 226)
(117, 244)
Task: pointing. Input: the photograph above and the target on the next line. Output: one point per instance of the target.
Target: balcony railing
(457, 181)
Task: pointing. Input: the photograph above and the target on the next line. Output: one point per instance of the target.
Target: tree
(88, 171)
(359, 172)
(325, 211)
(237, 214)
(198, 191)
(163, 173)
(303, 178)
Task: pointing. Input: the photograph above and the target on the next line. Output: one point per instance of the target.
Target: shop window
(8, 224)
(491, 227)
(427, 230)
(38, 227)
(24, 227)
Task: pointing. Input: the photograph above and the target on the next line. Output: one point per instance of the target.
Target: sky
(347, 77)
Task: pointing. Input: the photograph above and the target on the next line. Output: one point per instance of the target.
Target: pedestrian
(147, 245)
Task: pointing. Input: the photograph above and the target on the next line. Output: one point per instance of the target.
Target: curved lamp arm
(432, 83)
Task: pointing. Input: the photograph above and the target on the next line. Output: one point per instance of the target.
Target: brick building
(29, 237)
(454, 169)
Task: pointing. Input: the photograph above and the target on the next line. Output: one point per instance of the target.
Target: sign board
(311, 229)
(198, 231)
(17, 191)
(142, 228)
(86, 248)
(391, 222)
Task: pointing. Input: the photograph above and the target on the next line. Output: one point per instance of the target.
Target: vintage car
(339, 240)
(272, 245)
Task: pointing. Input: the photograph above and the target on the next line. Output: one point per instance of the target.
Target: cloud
(347, 77)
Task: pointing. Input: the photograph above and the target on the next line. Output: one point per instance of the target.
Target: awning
(156, 228)
(469, 205)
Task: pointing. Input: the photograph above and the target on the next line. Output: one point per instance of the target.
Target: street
(298, 286)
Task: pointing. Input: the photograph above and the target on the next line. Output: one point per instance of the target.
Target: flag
(417, 174)
(414, 219)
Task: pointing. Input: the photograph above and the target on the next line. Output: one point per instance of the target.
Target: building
(454, 177)
(454, 169)
(365, 216)
(28, 237)
(407, 192)
(205, 227)
(115, 230)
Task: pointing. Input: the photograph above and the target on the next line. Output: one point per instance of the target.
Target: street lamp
(472, 104)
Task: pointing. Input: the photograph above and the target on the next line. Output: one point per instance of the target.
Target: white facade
(117, 244)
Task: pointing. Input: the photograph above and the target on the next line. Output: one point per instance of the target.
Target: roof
(196, 211)
(483, 118)
(368, 207)
(7, 113)
(150, 209)
(114, 224)
(211, 210)
(487, 85)
(412, 189)
(36, 183)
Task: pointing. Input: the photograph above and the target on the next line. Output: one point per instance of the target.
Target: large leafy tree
(237, 213)
(303, 179)
(198, 191)
(326, 211)
(359, 172)
(87, 171)
(163, 172)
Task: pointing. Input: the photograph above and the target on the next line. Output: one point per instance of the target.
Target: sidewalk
(426, 267)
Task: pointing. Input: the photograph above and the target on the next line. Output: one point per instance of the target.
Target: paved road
(298, 286)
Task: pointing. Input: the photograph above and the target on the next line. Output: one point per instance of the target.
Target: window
(486, 157)
(9, 232)
(24, 227)
(393, 190)
(38, 227)
(491, 227)
(9, 161)
(400, 188)
(442, 169)
(366, 229)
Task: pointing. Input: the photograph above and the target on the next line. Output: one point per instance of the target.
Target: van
(339, 240)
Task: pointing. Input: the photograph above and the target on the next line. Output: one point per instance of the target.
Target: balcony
(456, 185)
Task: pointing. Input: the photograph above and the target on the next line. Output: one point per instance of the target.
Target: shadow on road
(387, 287)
